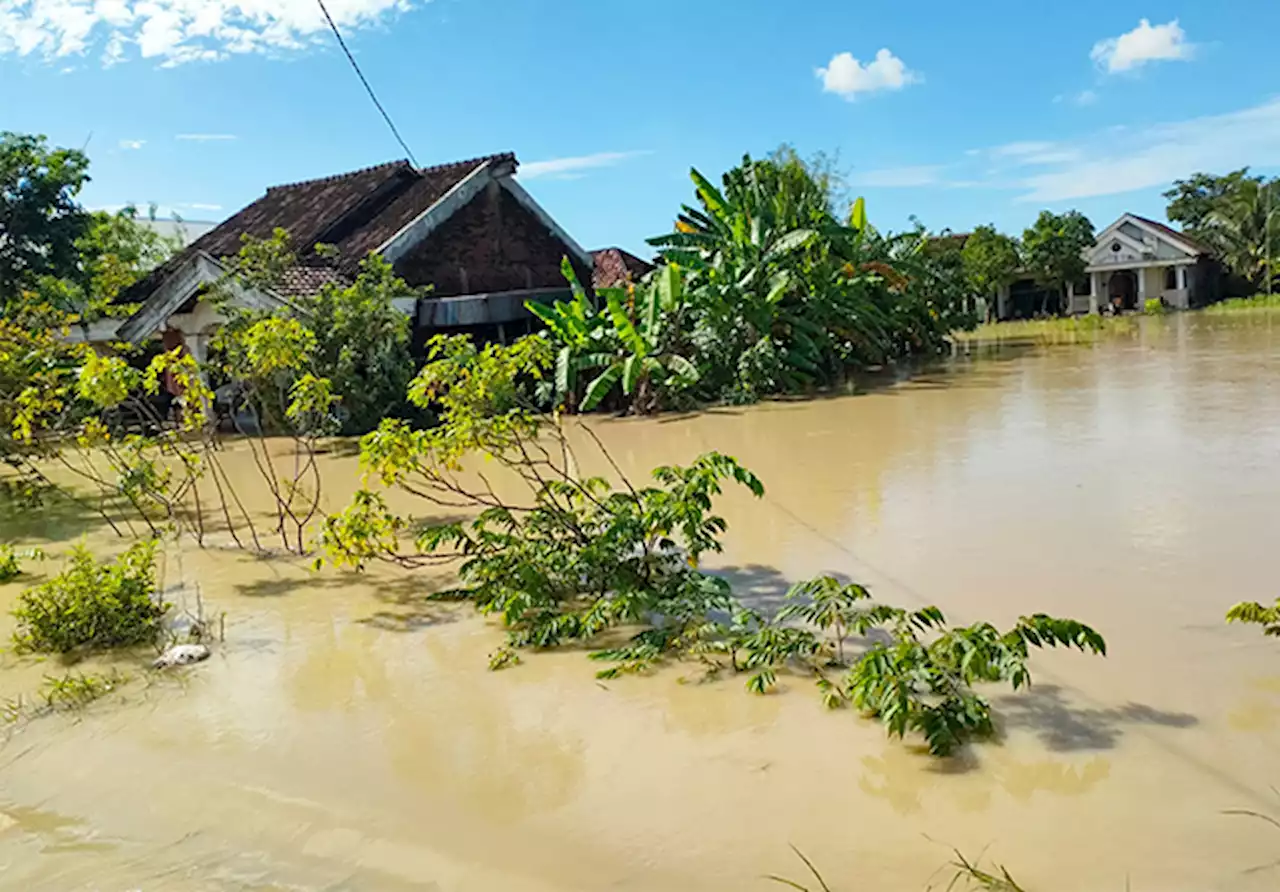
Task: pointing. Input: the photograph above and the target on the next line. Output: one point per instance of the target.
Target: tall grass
(1058, 330)
(1245, 304)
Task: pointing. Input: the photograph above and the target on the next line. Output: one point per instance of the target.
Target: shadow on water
(1063, 726)
(756, 586)
(413, 604)
(58, 517)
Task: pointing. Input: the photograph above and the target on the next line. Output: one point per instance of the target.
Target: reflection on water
(349, 734)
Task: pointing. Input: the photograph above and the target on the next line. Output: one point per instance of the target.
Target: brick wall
(492, 244)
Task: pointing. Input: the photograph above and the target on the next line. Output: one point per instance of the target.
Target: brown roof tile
(302, 280)
(614, 267)
(356, 212)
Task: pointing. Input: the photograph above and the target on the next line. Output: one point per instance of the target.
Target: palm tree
(1244, 229)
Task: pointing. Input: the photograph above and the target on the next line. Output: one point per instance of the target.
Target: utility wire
(360, 74)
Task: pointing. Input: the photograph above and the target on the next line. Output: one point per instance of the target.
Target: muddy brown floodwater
(349, 736)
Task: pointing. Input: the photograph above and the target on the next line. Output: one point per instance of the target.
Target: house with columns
(1130, 262)
(1136, 259)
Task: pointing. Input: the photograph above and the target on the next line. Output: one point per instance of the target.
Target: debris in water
(181, 655)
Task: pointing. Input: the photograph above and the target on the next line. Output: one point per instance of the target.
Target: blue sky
(958, 114)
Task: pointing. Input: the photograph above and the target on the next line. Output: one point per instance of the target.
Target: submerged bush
(1245, 304)
(580, 559)
(10, 568)
(92, 605)
(1257, 614)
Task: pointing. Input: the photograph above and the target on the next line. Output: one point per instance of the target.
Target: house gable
(1135, 240)
(465, 228)
(183, 283)
(494, 243)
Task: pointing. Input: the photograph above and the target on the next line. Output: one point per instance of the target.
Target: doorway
(1122, 290)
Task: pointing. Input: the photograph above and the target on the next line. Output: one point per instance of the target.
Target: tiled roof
(299, 280)
(1173, 233)
(356, 212)
(613, 267)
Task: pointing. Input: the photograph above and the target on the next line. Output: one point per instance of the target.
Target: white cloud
(1125, 160)
(199, 206)
(174, 32)
(568, 168)
(1085, 97)
(848, 77)
(1145, 43)
(206, 137)
(1033, 153)
(900, 177)
(132, 144)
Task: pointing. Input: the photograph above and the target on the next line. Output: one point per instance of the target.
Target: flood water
(348, 735)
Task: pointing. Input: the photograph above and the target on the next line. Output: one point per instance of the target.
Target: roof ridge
(466, 162)
(341, 176)
(470, 162)
(1189, 239)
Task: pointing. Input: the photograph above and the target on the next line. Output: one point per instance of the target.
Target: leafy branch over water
(586, 560)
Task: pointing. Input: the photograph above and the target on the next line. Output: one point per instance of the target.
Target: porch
(1130, 286)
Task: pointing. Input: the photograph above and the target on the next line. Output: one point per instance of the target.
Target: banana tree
(584, 335)
(793, 293)
(643, 363)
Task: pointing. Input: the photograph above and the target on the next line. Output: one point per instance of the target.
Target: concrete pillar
(1071, 299)
(1142, 287)
(1095, 291)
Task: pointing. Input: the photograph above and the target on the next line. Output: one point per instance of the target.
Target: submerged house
(467, 229)
(1133, 260)
(1136, 259)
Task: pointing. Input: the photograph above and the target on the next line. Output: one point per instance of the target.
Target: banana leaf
(598, 389)
(625, 328)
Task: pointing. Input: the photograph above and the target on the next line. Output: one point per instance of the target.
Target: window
(1171, 278)
(1083, 287)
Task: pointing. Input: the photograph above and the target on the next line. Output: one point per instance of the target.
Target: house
(1136, 259)
(614, 267)
(1131, 261)
(468, 229)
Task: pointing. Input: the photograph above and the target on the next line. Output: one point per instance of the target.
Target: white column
(1182, 277)
(1071, 299)
(1142, 287)
(1095, 291)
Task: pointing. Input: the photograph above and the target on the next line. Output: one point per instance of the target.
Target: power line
(360, 74)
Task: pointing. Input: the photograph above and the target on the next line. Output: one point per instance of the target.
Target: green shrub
(1245, 304)
(91, 605)
(1153, 306)
(10, 569)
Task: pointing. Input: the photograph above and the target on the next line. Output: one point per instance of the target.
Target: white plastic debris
(181, 655)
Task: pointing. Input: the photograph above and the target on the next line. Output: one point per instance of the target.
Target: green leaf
(709, 194)
(858, 215)
(762, 682)
(622, 325)
(631, 370)
(792, 241)
(686, 373)
(598, 389)
(652, 315)
(670, 286)
(780, 284)
(565, 372)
